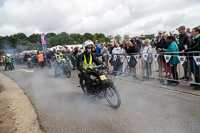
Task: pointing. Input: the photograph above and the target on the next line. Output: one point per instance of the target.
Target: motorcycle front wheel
(68, 74)
(112, 96)
(83, 86)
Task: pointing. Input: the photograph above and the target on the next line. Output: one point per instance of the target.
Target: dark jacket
(80, 60)
(195, 46)
(110, 49)
(165, 44)
(160, 44)
(184, 40)
(132, 49)
(48, 55)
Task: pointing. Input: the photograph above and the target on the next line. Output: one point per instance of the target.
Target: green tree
(100, 35)
(118, 38)
(110, 37)
(102, 40)
(126, 37)
(94, 38)
(88, 36)
(77, 38)
(20, 36)
(34, 38)
(49, 35)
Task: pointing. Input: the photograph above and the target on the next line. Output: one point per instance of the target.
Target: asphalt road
(62, 107)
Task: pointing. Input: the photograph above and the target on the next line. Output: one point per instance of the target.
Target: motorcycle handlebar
(98, 66)
(95, 67)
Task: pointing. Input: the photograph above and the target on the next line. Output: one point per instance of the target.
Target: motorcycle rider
(12, 63)
(8, 61)
(29, 60)
(85, 61)
(58, 58)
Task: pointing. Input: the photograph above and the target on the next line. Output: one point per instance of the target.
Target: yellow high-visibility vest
(59, 57)
(87, 65)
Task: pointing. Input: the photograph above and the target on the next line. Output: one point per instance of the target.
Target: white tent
(69, 46)
(29, 51)
(77, 45)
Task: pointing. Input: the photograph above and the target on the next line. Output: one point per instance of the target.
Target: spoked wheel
(68, 74)
(29, 66)
(83, 86)
(112, 96)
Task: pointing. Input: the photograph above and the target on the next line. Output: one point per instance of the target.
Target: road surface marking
(28, 70)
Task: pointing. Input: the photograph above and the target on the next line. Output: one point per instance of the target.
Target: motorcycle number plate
(103, 77)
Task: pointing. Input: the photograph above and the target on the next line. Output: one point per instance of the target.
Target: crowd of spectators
(116, 55)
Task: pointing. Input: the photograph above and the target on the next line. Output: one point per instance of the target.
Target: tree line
(20, 42)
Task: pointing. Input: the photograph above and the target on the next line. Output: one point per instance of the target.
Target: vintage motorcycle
(63, 68)
(101, 86)
(29, 63)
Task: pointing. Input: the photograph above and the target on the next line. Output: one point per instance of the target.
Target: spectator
(69, 55)
(173, 47)
(130, 50)
(72, 48)
(188, 32)
(111, 57)
(48, 55)
(159, 41)
(34, 58)
(165, 65)
(80, 51)
(94, 49)
(98, 48)
(136, 42)
(184, 43)
(25, 58)
(160, 44)
(104, 54)
(64, 51)
(195, 46)
(41, 59)
(118, 62)
(148, 50)
(74, 57)
(111, 48)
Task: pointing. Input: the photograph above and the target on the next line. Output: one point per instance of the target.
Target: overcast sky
(111, 17)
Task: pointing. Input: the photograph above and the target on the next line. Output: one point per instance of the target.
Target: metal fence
(163, 66)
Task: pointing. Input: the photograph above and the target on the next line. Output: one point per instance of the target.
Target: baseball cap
(181, 27)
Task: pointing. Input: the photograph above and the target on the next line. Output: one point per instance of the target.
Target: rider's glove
(105, 67)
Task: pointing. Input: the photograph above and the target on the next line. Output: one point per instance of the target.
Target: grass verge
(1, 88)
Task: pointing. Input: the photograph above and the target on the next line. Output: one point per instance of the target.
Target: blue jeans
(118, 67)
(195, 70)
(148, 69)
(174, 72)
